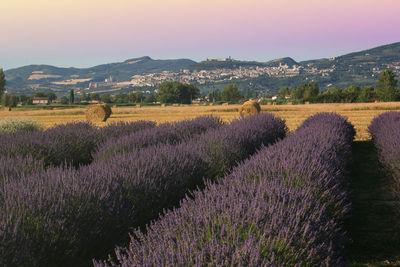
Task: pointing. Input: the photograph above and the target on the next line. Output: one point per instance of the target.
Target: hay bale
(249, 108)
(137, 105)
(97, 113)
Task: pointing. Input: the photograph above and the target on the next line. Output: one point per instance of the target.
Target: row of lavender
(286, 206)
(71, 143)
(66, 216)
(78, 143)
(385, 132)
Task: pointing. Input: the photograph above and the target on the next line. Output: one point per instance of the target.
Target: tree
(71, 96)
(135, 97)
(248, 94)
(333, 95)
(2, 82)
(84, 96)
(106, 98)
(214, 95)
(64, 100)
(231, 93)
(190, 93)
(51, 96)
(121, 98)
(351, 93)
(386, 86)
(306, 91)
(94, 96)
(284, 91)
(176, 92)
(311, 90)
(9, 101)
(23, 99)
(5, 100)
(367, 94)
(150, 99)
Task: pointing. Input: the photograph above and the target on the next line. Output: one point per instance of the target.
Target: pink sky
(89, 32)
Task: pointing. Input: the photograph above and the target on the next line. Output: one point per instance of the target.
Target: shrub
(71, 143)
(385, 132)
(17, 167)
(68, 216)
(166, 133)
(9, 125)
(121, 128)
(285, 206)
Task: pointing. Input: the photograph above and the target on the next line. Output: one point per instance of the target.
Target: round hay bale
(97, 113)
(249, 108)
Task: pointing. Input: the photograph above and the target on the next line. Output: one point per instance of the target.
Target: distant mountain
(232, 64)
(282, 61)
(30, 78)
(223, 64)
(359, 68)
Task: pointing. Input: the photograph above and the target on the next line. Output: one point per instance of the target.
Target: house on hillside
(40, 101)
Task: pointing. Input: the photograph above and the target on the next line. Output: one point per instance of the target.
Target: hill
(358, 68)
(44, 77)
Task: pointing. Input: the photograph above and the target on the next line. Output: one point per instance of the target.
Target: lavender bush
(67, 216)
(71, 143)
(385, 132)
(17, 167)
(166, 133)
(121, 128)
(283, 207)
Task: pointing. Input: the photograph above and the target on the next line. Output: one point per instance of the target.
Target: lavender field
(197, 192)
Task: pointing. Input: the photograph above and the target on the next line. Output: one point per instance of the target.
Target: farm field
(359, 114)
(313, 197)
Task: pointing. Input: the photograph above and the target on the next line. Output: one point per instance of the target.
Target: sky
(84, 33)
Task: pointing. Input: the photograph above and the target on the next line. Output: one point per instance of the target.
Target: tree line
(176, 92)
(385, 90)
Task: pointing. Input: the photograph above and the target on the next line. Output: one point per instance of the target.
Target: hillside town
(214, 75)
(217, 75)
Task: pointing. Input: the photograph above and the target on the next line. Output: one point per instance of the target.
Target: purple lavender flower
(285, 206)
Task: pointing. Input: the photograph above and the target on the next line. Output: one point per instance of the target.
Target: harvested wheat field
(360, 114)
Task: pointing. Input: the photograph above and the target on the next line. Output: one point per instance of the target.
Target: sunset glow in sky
(84, 33)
